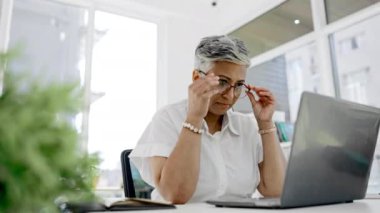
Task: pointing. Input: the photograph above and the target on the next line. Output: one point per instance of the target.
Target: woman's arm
(176, 176)
(272, 169)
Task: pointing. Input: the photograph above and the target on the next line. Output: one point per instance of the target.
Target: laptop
(331, 155)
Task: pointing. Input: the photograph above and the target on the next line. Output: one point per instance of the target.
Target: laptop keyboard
(267, 201)
(246, 202)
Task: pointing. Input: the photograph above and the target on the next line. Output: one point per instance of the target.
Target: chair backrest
(129, 187)
(134, 186)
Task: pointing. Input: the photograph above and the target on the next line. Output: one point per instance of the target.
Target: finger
(251, 98)
(202, 83)
(211, 92)
(266, 94)
(264, 100)
(208, 76)
(208, 85)
(258, 89)
(249, 86)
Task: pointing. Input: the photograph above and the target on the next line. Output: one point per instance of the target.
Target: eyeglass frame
(230, 86)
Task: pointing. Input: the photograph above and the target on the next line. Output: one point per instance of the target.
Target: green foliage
(40, 159)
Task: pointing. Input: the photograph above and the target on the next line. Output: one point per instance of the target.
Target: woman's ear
(196, 75)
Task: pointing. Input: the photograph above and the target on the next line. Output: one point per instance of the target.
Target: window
(287, 76)
(57, 51)
(284, 23)
(357, 71)
(337, 9)
(123, 88)
(55, 40)
(348, 45)
(356, 64)
(354, 85)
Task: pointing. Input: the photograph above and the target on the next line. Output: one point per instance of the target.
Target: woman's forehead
(231, 71)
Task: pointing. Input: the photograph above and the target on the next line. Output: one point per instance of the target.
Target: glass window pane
(337, 9)
(52, 39)
(357, 69)
(284, 23)
(123, 88)
(287, 76)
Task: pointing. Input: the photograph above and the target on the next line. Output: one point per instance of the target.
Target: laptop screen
(332, 151)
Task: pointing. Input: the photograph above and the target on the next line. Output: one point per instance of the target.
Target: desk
(360, 206)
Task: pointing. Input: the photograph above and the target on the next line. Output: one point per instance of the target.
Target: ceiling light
(62, 36)
(297, 21)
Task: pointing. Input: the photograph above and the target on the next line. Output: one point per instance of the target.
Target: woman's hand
(200, 93)
(263, 108)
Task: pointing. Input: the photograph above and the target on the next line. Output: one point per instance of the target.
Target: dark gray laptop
(331, 156)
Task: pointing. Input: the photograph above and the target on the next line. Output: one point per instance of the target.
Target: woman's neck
(214, 122)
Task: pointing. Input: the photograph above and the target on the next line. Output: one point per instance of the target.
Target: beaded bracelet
(192, 128)
(266, 131)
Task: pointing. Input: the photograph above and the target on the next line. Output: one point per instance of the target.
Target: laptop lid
(332, 151)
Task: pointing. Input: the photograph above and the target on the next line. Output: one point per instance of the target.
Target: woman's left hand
(263, 108)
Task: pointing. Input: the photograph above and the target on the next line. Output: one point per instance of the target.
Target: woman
(199, 149)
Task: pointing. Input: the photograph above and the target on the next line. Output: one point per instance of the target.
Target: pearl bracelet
(192, 128)
(266, 131)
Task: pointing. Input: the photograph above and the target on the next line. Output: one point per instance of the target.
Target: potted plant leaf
(40, 160)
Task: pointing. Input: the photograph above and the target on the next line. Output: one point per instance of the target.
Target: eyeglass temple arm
(247, 87)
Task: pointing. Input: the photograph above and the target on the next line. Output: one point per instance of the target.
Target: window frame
(117, 8)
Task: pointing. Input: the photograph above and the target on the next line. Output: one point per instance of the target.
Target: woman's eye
(239, 85)
(222, 82)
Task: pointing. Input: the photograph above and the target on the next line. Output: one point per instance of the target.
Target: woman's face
(233, 74)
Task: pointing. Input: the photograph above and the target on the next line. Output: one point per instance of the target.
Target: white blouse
(229, 158)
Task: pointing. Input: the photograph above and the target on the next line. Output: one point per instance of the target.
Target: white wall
(183, 37)
(184, 33)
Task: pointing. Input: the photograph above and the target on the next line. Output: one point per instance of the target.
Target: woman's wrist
(194, 120)
(265, 125)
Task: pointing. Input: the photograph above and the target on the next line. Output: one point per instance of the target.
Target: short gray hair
(220, 48)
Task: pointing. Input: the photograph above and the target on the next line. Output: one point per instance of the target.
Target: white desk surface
(359, 206)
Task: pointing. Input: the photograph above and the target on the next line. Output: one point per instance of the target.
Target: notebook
(127, 204)
(331, 155)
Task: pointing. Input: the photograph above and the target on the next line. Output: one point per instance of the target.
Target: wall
(184, 33)
(183, 37)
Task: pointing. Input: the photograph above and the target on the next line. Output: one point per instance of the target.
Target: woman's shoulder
(172, 107)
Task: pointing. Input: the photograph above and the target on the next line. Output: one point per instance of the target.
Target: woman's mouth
(223, 105)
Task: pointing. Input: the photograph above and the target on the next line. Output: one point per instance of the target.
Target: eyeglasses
(224, 86)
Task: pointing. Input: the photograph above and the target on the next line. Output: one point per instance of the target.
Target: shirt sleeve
(158, 139)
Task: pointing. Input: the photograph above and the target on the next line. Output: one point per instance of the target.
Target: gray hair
(220, 48)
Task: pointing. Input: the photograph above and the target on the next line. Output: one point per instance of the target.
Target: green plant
(40, 159)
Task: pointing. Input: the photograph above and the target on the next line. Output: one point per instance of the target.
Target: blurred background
(134, 56)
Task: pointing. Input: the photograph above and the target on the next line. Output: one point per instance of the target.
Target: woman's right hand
(200, 93)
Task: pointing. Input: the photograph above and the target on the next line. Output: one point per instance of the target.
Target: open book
(127, 204)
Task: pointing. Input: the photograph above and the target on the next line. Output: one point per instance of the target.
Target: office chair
(134, 186)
